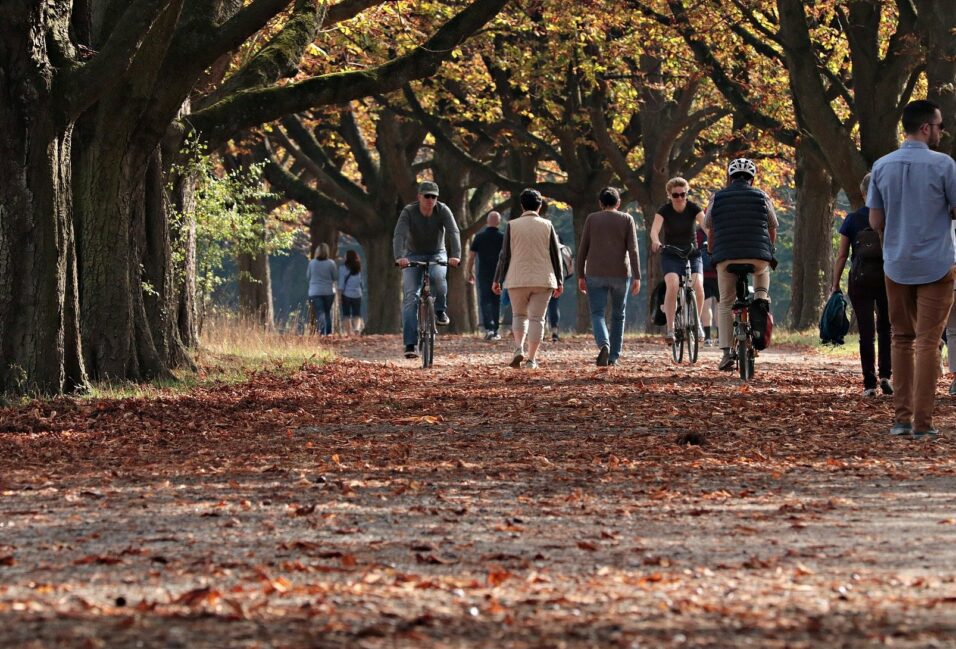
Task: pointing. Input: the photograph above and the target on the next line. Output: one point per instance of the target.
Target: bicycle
(686, 315)
(743, 352)
(427, 322)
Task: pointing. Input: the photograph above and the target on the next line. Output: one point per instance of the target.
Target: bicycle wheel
(677, 347)
(693, 326)
(426, 337)
(745, 361)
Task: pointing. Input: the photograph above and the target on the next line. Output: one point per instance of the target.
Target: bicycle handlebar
(680, 252)
(424, 264)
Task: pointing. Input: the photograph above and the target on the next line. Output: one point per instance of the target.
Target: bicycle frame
(744, 352)
(686, 315)
(427, 322)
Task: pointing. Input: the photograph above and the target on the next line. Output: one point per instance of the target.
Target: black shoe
(410, 351)
(727, 362)
(886, 386)
(442, 319)
(555, 337)
(602, 356)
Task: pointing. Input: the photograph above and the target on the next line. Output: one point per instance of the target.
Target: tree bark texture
(39, 333)
(255, 289)
(384, 286)
(937, 22)
(812, 236)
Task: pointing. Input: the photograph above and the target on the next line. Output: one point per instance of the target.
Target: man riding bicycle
(420, 236)
(678, 219)
(741, 229)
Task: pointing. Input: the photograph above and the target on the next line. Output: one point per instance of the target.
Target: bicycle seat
(740, 269)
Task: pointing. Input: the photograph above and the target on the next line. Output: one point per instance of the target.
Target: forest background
(145, 144)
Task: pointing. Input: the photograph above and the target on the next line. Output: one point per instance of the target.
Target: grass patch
(810, 339)
(231, 351)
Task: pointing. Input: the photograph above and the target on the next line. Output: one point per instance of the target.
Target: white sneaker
(869, 392)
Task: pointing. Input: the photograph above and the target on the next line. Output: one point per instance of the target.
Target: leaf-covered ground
(368, 503)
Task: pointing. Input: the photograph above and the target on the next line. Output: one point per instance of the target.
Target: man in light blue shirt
(912, 201)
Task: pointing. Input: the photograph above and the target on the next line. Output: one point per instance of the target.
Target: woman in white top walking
(530, 268)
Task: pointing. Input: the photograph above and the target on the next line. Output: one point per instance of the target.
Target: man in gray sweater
(420, 236)
(607, 263)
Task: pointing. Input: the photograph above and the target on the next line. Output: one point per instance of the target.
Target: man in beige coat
(530, 268)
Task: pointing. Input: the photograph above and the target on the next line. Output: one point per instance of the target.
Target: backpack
(834, 324)
(761, 320)
(657, 301)
(866, 269)
(567, 260)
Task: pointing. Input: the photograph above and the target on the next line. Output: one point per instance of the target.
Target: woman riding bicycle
(678, 219)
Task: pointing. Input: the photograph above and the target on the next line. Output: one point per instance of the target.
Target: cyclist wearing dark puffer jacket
(741, 229)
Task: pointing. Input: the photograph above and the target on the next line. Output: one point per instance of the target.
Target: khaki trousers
(727, 286)
(918, 315)
(529, 305)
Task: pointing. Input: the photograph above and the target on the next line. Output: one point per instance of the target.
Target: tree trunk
(937, 22)
(384, 285)
(812, 240)
(580, 213)
(654, 274)
(255, 289)
(161, 295)
(322, 230)
(39, 332)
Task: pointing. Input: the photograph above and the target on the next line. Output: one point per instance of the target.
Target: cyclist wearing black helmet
(742, 228)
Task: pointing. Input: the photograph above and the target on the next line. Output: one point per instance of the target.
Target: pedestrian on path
(530, 267)
(607, 262)
(866, 289)
(912, 201)
(350, 288)
(483, 252)
(322, 275)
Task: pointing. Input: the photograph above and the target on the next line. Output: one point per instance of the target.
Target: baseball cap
(428, 187)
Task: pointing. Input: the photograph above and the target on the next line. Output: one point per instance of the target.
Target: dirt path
(367, 503)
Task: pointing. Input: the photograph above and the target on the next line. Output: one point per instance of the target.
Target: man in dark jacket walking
(741, 229)
(485, 249)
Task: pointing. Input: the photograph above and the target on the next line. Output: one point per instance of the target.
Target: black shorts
(351, 307)
(710, 288)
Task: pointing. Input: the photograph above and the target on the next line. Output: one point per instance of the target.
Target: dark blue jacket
(740, 224)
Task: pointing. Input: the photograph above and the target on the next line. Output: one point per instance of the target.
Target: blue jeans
(554, 313)
(322, 306)
(489, 304)
(599, 289)
(412, 288)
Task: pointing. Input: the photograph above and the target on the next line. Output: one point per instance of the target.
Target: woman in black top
(678, 219)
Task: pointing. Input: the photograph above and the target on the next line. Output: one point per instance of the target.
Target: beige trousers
(727, 285)
(529, 305)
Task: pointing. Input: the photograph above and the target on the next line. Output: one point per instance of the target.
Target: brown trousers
(918, 315)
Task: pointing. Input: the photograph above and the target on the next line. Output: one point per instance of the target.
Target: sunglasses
(430, 197)
(679, 195)
(941, 126)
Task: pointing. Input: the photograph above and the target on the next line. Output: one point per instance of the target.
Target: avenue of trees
(345, 105)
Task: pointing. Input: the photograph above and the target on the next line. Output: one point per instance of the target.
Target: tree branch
(220, 121)
(83, 85)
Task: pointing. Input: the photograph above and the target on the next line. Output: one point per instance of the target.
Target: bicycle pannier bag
(761, 319)
(866, 269)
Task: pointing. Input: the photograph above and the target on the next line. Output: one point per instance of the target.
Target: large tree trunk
(937, 21)
(384, 285)
(161, 294)
(39, 334)
(812, 240)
